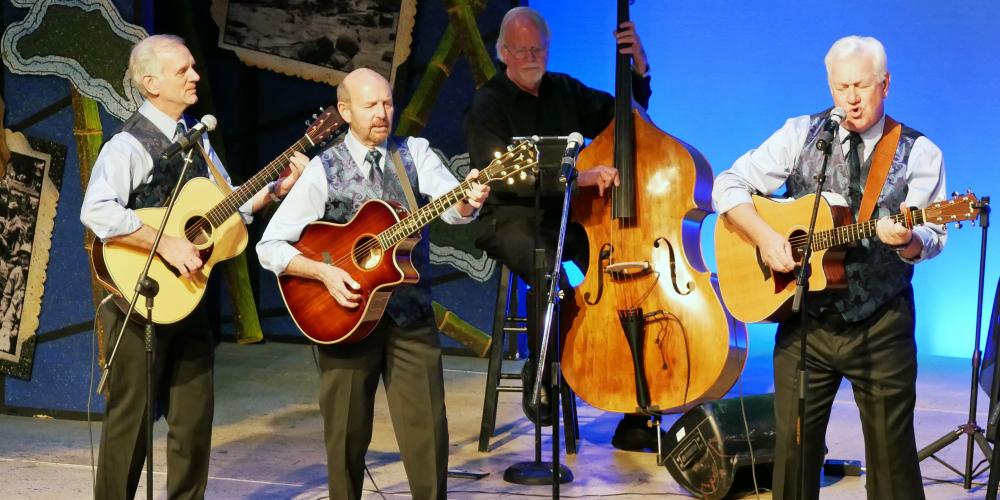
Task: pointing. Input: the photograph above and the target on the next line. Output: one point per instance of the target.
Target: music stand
(970, 428)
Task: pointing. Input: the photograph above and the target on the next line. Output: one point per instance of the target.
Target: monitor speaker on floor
(707, 450)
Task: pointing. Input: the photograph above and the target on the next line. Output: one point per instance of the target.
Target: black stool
(504, 323)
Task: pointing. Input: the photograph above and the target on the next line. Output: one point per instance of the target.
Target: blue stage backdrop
(727, 74)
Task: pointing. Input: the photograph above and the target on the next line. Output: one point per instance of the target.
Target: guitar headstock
(324, 125)
(961, 207)
(519, 157)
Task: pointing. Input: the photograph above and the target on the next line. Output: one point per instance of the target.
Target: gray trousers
(879, 357)
(408, 360)
(182, 378)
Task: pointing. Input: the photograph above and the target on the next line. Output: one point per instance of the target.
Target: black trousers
(507, 234)
(879, 357)
(408, 360)
(182, 377)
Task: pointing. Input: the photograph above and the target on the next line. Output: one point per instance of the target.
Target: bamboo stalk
(471, 337)
(414, 117)
(4, 152)
(245, 316)
(88, 133)
(463, 19)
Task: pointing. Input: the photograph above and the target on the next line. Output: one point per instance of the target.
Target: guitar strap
(404, 179)
(219, 179)
(885, 150)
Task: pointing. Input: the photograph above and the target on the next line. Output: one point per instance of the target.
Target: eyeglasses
(522, 53)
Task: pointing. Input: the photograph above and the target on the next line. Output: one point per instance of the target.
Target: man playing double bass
(864, 333)
(525, 99)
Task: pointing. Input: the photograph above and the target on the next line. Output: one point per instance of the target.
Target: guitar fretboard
(231, 204)
(853, 232)
(518, 158)
(426, 214)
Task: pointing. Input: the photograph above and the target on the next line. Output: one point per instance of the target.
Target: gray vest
(875, 274)
(348, 190)
(156, 192)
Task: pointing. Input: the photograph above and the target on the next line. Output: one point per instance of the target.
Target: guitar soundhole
(367, 253)
(798, 250)
(198, 230)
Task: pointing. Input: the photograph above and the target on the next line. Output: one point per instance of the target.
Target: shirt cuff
(275, 255)
(926, 240)
(453, 216)
(730, 199)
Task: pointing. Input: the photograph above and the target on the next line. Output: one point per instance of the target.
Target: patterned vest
(161, 184)
(875, 274)
(348, 190)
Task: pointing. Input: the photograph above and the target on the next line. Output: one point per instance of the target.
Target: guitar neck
(232, 203)
(858, 231)
(425, 214)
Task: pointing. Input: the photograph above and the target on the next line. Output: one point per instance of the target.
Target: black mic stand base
(536, 474)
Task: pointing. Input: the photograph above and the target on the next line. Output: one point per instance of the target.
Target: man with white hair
(125, 178)
(865, 332)
(524, 98)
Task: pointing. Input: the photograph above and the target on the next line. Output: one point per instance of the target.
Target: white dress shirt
(765, 169)
(306, 202)
(122, 166)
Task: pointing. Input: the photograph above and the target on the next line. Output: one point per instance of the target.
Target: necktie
(375, 172)
(854, 163)
(179, 131)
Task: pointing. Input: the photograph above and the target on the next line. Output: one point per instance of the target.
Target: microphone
(830, 128)
(189, 138)
(568, 167)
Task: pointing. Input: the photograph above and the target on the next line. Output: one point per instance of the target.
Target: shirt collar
(870, 137)
(359, 151)
(163, 123)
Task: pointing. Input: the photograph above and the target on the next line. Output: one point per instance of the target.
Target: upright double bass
(649, 333)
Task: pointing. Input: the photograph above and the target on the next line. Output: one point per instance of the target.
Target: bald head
(364, 100)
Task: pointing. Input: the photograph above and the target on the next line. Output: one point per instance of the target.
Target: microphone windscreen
(210, 122)
(837, 115)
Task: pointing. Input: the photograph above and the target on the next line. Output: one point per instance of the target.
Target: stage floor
(268, 438)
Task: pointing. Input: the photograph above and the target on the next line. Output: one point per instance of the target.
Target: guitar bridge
(622, 270)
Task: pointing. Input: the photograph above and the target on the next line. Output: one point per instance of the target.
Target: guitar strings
(800, 240)
(191, 232)
(418, 217)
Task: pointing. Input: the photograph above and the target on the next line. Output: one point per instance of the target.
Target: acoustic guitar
(205, 216)
(374, 248)
(754, 293)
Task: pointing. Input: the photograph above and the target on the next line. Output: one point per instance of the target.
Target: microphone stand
(538, 472)
(971, 428)
(147, 287)
(799, 305)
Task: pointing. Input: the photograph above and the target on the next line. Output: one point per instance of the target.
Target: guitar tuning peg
(496, 154)
(968, 190)
(958, 225)
(510, 181)
(954, 194)
(306, 122)
(320, 109)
